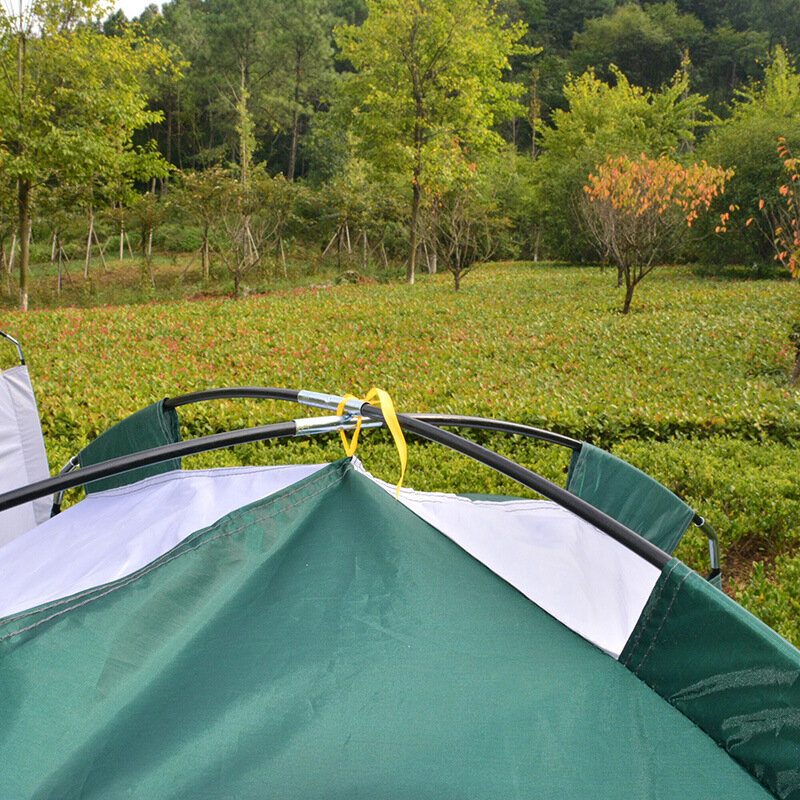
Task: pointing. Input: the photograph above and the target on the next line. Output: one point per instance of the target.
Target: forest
(250, 139)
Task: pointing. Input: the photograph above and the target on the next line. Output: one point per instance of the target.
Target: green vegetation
(689, 386)
(403, 134)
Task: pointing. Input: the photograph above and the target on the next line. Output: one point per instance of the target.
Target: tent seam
(176, 474)
(661, 626)
(150, 567)
(645, 621)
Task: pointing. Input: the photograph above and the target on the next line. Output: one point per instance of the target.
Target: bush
(772, 595)
(747, 141)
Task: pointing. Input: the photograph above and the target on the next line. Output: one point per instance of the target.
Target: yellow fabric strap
(381, 399)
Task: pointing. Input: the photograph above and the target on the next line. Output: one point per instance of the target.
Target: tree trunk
(457, 278)
(121, 241)
(290, 169)
(89, 244)
(415, 204)
(629, 287)
(206, 255)
(24, 223)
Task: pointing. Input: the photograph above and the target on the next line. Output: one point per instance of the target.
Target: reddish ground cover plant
(636, 208)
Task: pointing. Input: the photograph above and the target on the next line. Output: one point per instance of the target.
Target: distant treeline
(412, 132)
(289, 54)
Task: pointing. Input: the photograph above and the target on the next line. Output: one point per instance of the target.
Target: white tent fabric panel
(23, 458)
(591, 583)
(111, 534)
(579, 575)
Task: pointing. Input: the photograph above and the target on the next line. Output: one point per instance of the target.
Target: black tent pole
(455, 442)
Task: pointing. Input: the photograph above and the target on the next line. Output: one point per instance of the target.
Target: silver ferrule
(308, 426)
(329, 402)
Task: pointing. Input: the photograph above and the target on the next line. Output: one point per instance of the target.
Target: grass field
(691, 386)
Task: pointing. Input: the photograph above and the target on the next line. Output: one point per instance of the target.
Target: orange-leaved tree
(781, 214)
(636, 208)
(781, 225)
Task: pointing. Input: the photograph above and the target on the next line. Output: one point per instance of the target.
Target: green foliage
(772, 595)
(668, 387)
(603, 120)
(647, 43)
(747, 141)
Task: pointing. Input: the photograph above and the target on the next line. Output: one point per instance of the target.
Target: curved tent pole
(16, 344)
(439, 420)
(526, 477)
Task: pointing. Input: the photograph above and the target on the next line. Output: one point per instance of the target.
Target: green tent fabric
(726, 671)
(151, 427)
(629, 496)
(325, 642)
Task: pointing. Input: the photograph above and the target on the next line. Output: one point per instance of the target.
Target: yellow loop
(381, 399)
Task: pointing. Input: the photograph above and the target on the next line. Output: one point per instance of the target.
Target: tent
(312, 632)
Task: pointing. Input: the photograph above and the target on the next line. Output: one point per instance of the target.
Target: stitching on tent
(663, 622)
(165, 477)
(645, 621)
(154, 565)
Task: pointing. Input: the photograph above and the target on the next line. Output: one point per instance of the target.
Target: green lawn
(691, 386)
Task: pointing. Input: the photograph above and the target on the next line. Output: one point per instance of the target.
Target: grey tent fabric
(23, 458)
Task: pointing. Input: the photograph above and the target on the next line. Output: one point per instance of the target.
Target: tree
(200, 196)
(466, 227)
(564, 19)
(763, 112)
(604, 119)
(780, 225)
(70, 100)
(636, 208)
(303, 43)
(646, 43)
(428, 89)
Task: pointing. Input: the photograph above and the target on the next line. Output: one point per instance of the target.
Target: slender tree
(428, 89)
